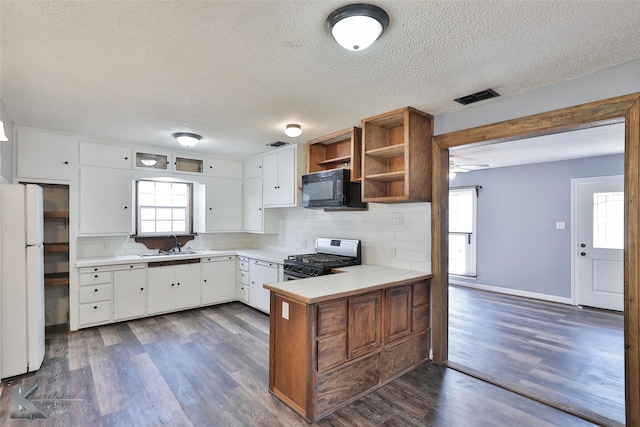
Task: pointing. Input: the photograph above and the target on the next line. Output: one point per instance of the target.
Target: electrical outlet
(560, 225)
(285, 310)
(395, 218)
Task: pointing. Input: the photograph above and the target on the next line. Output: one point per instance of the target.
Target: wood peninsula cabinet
(327, 350)
(396, 160)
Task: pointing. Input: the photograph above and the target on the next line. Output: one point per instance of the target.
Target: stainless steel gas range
(330, 253)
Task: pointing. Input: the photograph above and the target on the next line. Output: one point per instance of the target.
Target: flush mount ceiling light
(187, 139)
(149, 162)
(293, 130)
(3, 136)
(356, 26)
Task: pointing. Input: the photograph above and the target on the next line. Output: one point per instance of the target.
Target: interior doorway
(612, 110)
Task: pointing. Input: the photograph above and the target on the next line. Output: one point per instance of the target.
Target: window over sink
(163, 207)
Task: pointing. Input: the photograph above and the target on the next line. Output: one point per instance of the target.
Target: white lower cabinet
(130, 292)
(261, 272)
(218, 279)
(95, 296)
(242, 279)
(173, 287)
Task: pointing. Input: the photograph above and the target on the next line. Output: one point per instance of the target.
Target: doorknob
(582, 254)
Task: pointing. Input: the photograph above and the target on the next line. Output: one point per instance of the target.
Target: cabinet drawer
(95, 293)
(95, 278)
(421, 293)
(95, 312)
(332, 317)
(243, 277)
(243, 265)
(332, 351)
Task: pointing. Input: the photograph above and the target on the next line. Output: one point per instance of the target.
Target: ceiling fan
(456, 165)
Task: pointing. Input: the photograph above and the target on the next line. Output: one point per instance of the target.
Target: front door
(599, 241)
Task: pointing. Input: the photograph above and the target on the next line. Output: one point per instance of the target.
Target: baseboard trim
(516, 292)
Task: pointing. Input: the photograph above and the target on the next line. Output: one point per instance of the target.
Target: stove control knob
(299, 269)
(314, 272)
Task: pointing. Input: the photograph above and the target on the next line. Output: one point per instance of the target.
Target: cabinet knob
(142, 289)
(210, 167)
(259, 209)
(95, 269)
(95, 307)
(96, 276)
(95, 290)
(66, 163)
(210, 209)
(205, 280)
(131, 266)
(173, 284)
(126, 158)
(126, 207)
(178, 283)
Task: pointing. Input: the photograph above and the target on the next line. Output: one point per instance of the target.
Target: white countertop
(350, 281)
(262, 254)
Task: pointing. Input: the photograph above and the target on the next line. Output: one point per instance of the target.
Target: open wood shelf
(337, 150)
(387, 176)
(397, 156)
(56, 247)
(387, 152)
(56, 214)
(56, 279)
(343, 159)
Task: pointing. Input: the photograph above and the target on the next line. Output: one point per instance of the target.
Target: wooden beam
(572, 118)
(440, 253)
(632, 265)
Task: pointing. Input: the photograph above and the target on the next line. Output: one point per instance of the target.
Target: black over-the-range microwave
(331, 189)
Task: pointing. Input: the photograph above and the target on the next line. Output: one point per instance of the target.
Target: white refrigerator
(21, 279)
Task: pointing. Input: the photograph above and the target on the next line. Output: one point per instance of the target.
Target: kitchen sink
(168, 254)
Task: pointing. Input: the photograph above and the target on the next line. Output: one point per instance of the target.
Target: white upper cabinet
(256, 219)
(252, 168)
(105, 155)
(105, 201)
(281, 174)
(44, 155)
(188, 165)
(224, 204)
(222, 168)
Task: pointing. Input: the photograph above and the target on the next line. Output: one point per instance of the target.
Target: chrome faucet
(175, 245)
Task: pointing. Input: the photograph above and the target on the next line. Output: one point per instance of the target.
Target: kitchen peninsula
(337, 337)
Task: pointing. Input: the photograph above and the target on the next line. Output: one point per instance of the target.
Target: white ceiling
(237, 71)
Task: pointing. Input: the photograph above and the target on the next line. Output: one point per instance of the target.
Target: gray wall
(615, 81)
(518, 246)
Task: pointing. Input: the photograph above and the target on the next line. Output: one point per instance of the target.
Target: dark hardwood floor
(556, 352)
(208, 367)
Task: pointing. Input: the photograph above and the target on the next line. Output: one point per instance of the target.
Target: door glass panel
(608, 220)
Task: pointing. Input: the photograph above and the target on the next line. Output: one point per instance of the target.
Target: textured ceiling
(236, 72)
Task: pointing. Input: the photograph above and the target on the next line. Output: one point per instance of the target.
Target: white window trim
(190, 214)
(473, 236)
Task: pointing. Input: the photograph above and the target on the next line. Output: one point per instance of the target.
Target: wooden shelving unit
(56, 279)
(62, 247)
(50, 214)
(396, 161)
(337, 150)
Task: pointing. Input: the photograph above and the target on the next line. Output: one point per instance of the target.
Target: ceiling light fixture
(3, 136)
(293, 130)
(187, 139)
(149, 162)
(356, 26)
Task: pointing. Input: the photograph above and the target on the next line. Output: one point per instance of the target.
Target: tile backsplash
(393, 235)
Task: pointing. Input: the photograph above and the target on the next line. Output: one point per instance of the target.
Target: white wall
(6, 148)
(404, 245)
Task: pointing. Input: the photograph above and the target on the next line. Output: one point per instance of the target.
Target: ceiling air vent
(478, 96)
(277, 144)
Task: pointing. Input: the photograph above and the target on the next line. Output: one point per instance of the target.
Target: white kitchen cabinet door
(44, 155)
(161, 285)
(242, 293)
(261, 272)
(252, 168)
(255, 219)
(105, 201)
(187, 289)
(129, 293)
(224, 204)
(279, 178)
(252, 205)
(222, 168)
(105, 155)
(218, 279)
